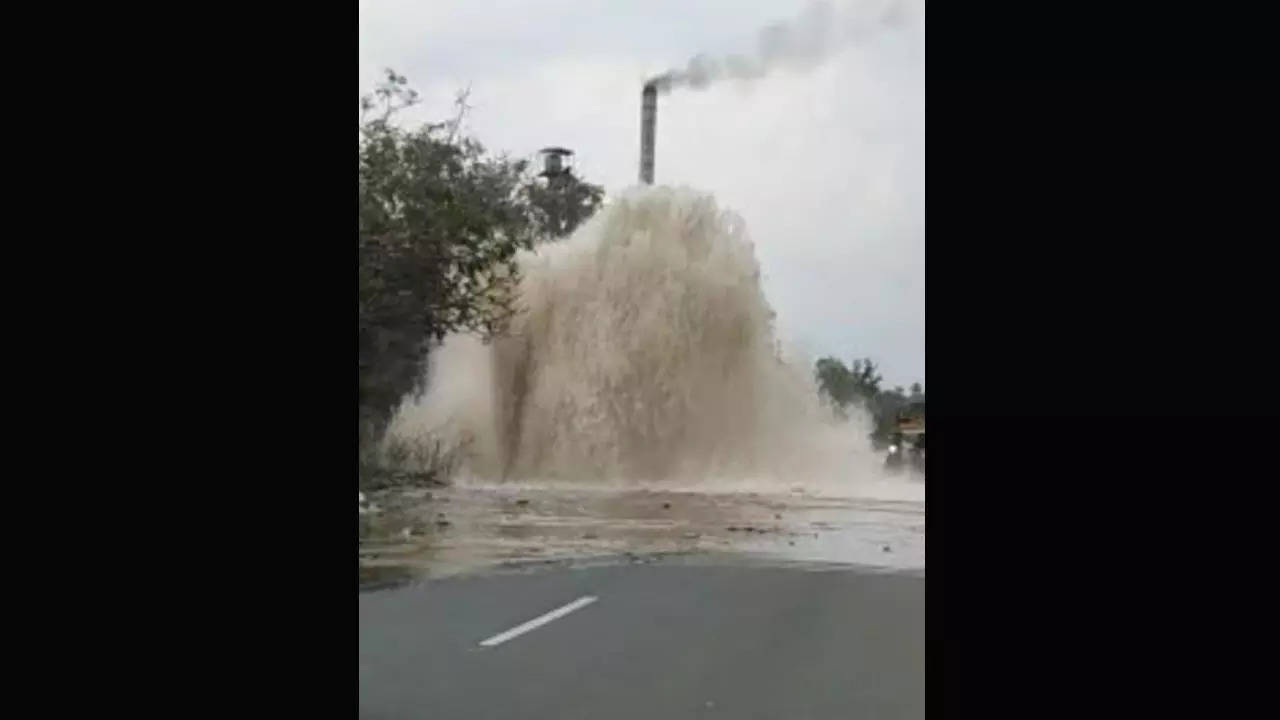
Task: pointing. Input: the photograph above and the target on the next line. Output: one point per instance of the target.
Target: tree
(440, 224)
(916, 389)
(843, 386)
(835, 382)
(562, 204)
(866, 379)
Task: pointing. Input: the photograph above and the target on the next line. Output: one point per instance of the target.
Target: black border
(232, 578)
(1101, 375)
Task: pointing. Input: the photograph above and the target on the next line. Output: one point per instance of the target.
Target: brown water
(644, 353)
(639, 405)
(473, 528)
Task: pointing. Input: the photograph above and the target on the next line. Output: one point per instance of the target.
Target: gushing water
(644, 355)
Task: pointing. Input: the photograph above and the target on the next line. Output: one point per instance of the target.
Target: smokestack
(648, 123)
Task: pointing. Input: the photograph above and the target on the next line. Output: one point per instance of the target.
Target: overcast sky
(825, 163)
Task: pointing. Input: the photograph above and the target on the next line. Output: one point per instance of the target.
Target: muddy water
(470, 528)
(641, 382)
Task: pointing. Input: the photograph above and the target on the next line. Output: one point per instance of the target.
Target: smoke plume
(802, 44)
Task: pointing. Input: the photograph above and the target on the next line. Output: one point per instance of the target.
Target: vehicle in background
(906, 448)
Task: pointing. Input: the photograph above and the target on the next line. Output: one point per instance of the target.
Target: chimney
(648, 122)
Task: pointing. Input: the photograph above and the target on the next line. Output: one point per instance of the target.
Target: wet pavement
(470, 527)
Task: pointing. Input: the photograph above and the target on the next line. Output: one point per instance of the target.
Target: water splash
(644, 355)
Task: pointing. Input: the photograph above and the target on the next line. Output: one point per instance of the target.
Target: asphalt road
(658, 641)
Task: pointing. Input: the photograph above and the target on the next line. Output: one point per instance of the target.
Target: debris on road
(486, 527)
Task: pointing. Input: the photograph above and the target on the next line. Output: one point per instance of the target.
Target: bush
(399, 462)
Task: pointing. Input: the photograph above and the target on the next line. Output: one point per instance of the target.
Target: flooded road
(470, 527)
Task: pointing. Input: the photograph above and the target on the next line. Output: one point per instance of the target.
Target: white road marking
(539, 621)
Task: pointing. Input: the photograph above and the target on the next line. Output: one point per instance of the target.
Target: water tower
(556, 164)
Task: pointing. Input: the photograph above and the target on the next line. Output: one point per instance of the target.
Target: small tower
(556, 164)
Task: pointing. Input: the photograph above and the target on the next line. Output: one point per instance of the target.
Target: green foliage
(835, 382)
(561, 204)
(843, 385)
(440, 223)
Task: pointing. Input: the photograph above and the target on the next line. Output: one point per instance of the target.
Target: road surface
(646, 641)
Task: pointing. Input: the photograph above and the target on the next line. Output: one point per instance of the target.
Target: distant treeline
(858, 385)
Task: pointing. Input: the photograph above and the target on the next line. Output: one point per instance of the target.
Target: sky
(823, 159)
